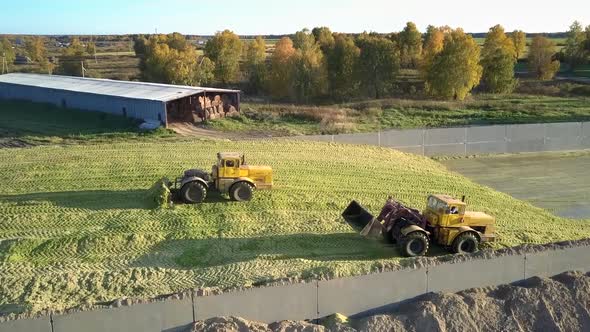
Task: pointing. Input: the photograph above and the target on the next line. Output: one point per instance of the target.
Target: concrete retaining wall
(316, 299)
(464, 141)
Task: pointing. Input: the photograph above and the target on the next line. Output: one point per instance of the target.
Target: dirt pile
(560, 303)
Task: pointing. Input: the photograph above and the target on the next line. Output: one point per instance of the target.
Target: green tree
(498, 59)
(205, 71)
(587, 42)
(170, 59)
(7, 54)
(91, 48)
(455, 70)
(256, 64)
(342, 61)
(140, 45)
(281, 69)
(410, 44)
(73, 60)
(303, 40)
(309, 72)
(519, 39)
(35, 47)
(378, 64)
(324, 37)
(574, 51)
(541, 58)
(225, 49)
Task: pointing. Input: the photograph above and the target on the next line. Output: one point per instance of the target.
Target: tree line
(316, 64)
(321, 64)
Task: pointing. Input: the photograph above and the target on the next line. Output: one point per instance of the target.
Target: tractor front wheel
(414, 244)
(241, 192)
(465, 243)
(193, 192)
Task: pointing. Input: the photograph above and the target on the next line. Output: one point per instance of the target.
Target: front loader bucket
(361, 220)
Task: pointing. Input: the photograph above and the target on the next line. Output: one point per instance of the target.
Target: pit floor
(557, 181)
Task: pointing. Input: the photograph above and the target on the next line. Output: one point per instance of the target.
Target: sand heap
(561, 303)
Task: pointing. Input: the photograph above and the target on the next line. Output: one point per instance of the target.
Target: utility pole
(4, 64)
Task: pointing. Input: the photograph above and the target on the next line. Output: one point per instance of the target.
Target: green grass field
(76, 226)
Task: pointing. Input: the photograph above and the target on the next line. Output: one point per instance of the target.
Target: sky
(261, 17)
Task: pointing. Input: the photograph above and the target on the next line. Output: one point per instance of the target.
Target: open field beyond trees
(405, 113)
(77, 227)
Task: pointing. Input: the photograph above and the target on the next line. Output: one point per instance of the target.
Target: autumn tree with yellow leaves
(453, 70)
(498, 59)
(541, 58)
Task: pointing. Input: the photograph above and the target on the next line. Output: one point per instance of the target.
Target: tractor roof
(232, 155)
(449, 199)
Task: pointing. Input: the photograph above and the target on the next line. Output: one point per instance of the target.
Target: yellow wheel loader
(230, 175)
(445, 221)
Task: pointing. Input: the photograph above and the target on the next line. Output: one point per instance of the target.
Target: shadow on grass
(101, 199)
(91, 200)
(212, 252)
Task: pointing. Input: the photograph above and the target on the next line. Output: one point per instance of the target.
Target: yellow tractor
(445, 221)
(231, 175)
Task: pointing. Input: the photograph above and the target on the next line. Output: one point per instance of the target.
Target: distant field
(400, 113)
(557, 181)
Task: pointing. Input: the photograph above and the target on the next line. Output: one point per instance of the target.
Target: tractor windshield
(436, 204)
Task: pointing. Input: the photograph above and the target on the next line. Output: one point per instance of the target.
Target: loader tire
(414, 244)
(241, 192)
(193, 192)
(466, 243)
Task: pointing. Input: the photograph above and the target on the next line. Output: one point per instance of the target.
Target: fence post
(379, 138)
(465, 142)
(423, 142)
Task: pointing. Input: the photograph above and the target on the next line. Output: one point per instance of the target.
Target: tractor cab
(228, 165)
(444, 210)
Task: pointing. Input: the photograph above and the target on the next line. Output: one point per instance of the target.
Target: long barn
(146, 101)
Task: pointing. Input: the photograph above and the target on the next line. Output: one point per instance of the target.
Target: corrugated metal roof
(125, 89)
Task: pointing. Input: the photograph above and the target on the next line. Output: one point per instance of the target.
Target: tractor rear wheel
(193, 192)
(414, 244)
(241, 191)
(466, 243)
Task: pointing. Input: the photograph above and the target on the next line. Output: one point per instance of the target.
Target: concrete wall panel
(402, 138)
(444, 136)
(535, 145)
(566, 129)
(27, 325)
(410, 149)
(525, 132)
(170, 315)
(317, 138)
(475, 273)
(551, 262)
(371, 138)
(489, 147)
(445, 150)
(267, 304)
(563, 143)
(354, 295)
(486, 134)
